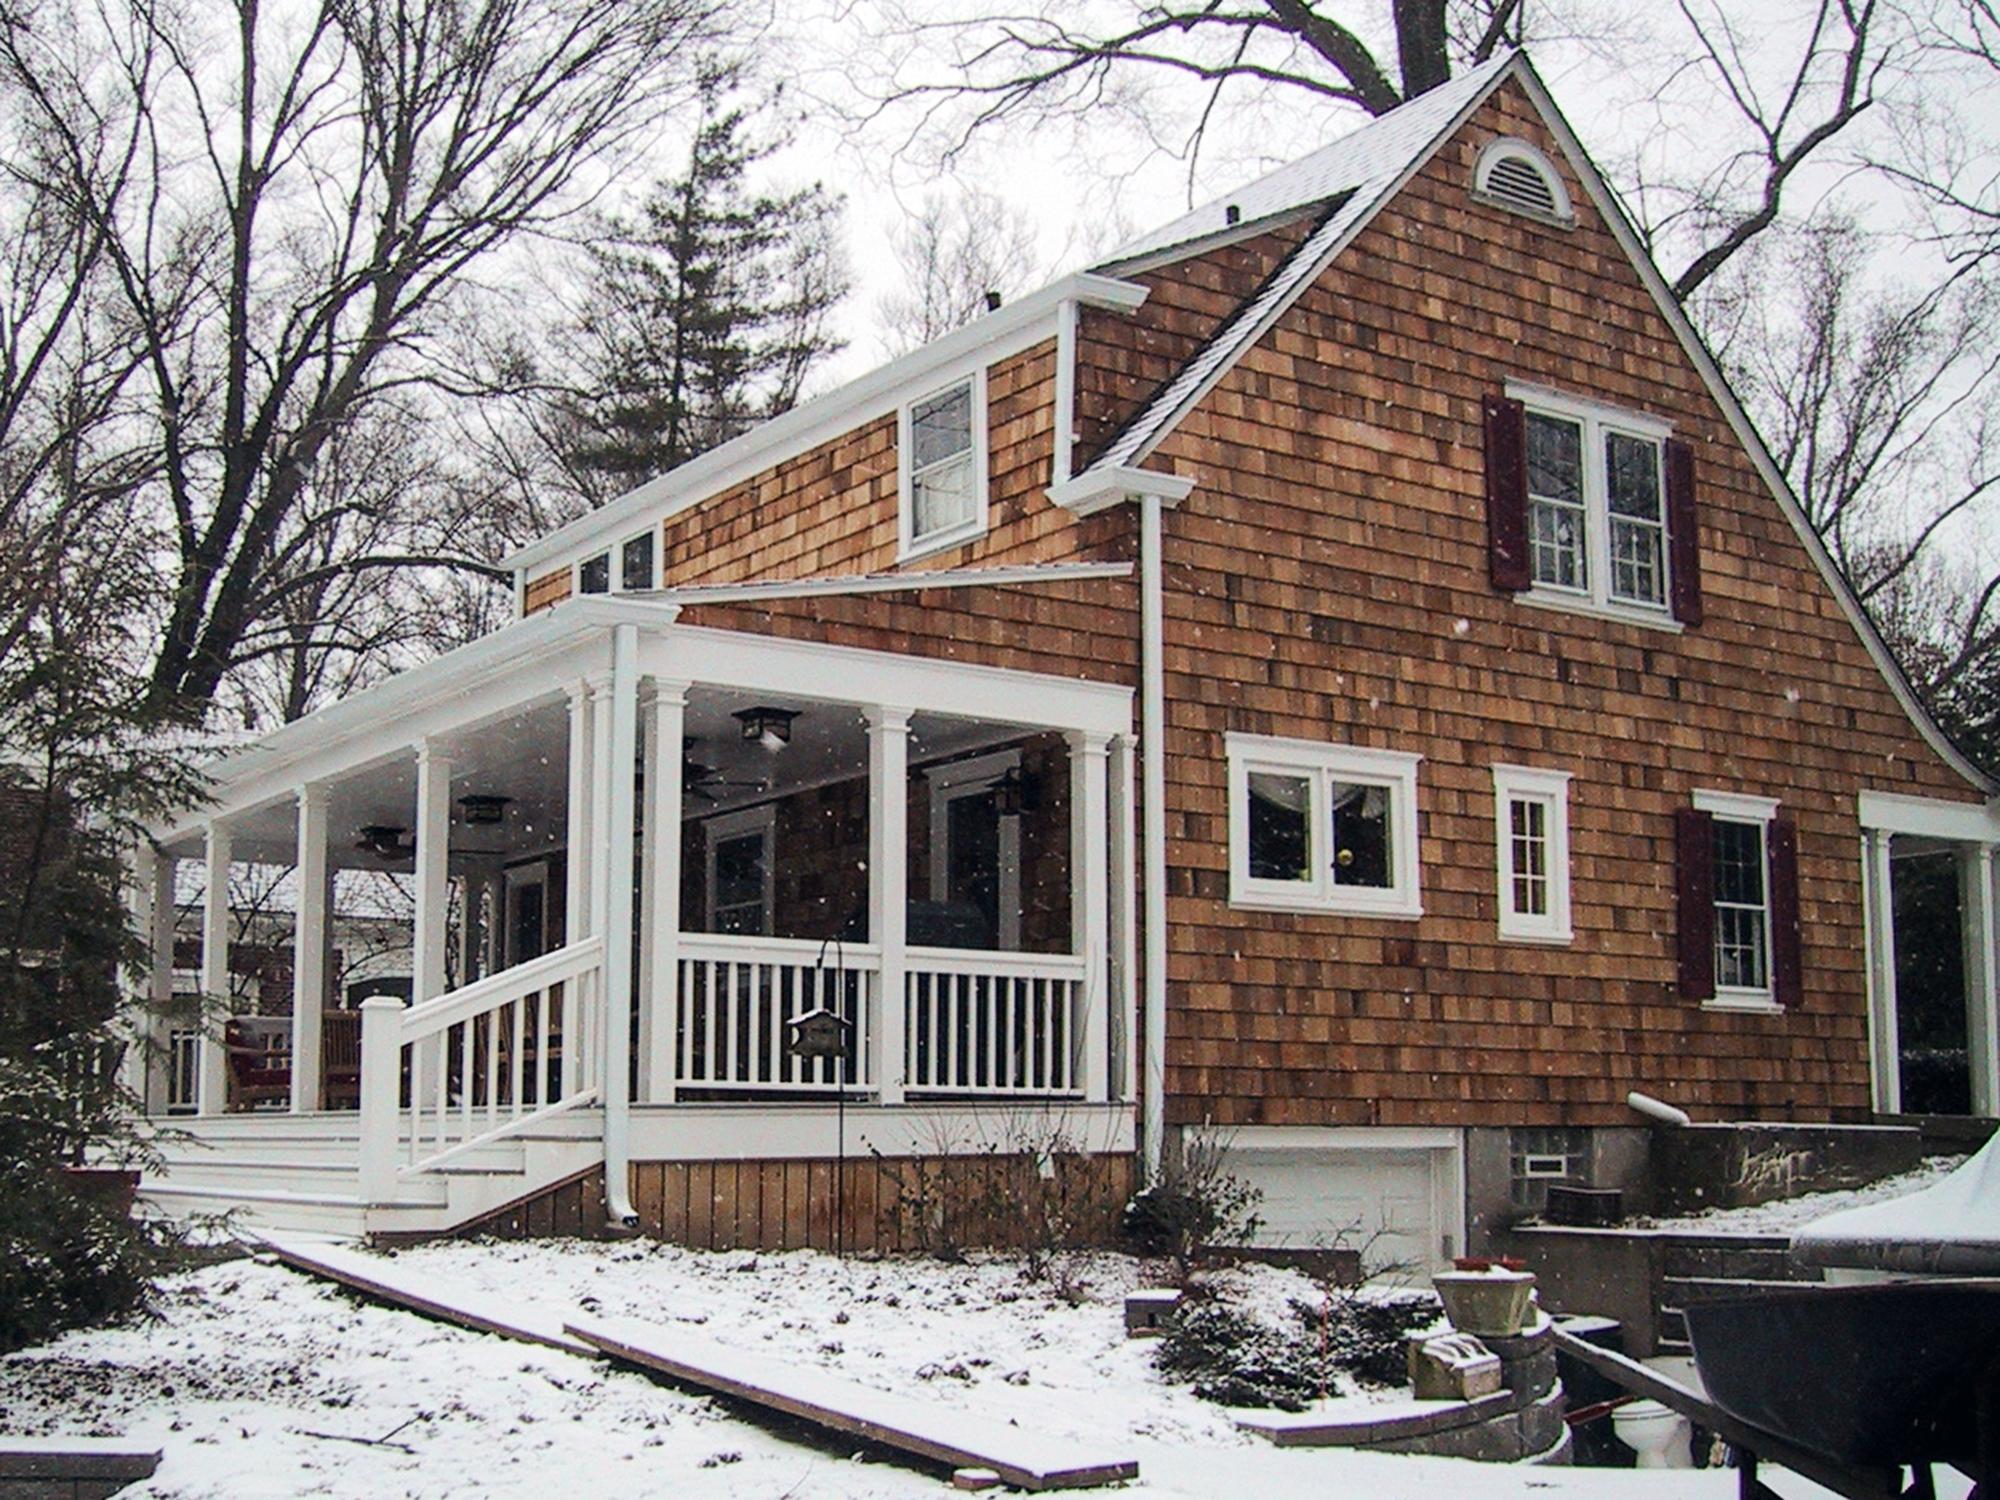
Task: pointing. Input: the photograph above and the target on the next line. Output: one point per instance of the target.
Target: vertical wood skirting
(883, 1205)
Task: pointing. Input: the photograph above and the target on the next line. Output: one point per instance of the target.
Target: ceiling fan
(707, 782)
(388, 840)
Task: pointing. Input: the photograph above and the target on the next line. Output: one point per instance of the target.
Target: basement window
(1513, 175)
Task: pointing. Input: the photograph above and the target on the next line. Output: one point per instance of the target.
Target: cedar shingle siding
(1333, 578)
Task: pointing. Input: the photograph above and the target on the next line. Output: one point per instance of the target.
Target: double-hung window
(1597, 506)
(1318, 827)
(942, 440)
(1739, 906)
(1531, 838)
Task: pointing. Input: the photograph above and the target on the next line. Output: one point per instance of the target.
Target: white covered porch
(935, 854)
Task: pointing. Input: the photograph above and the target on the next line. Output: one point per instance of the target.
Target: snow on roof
(1352, 177)
(1372, 156)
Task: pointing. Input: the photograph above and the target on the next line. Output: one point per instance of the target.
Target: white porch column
(1879, 930)
(597, 883)
(433, 861)
(156, 1039)
(1982, 973)
(888, 888)
(660, 971)
(1090, 905)
(141, 891)
(576, 857)
(620, 728)
(309, 947)
(1124, 933)
(212, 1078)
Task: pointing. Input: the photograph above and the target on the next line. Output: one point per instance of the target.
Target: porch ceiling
(523, 756)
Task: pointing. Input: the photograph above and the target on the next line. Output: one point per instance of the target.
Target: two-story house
(1344, 670)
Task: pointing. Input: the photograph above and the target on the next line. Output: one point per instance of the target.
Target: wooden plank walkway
(509, 1317)
(945, 1434)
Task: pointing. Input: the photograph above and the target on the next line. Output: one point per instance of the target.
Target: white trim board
(1930, 817)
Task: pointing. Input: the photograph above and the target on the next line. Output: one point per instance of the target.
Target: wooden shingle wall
(1328, 580)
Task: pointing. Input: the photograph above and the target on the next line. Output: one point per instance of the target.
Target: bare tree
(1052, 62)
(320, 185)
(949, 259)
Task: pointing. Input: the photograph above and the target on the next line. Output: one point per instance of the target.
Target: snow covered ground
(254, 1380)
(1788, 1214)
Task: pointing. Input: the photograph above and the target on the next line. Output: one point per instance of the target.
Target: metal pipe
(1657, 1109)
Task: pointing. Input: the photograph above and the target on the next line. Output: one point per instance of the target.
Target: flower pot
(1486, 1302)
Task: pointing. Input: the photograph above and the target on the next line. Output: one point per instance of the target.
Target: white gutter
(1087, 493)
(754, 591)
(1016, 326)
(617, 855)
(1152, 743)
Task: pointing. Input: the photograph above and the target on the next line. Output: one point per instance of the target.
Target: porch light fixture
(484, 808)
(1015, 792)
(385, 839)
(769, 727)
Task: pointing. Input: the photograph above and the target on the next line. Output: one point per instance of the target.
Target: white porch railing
(737, 995)
(993, 1023)
(479, 1063)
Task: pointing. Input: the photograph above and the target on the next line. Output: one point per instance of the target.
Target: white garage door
(1396, 1203)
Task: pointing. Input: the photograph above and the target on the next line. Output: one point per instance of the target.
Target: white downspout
(1152, 742)
(617, 928)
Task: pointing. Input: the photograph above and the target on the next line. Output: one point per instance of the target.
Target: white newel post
(1090, 904)
(381, 1095)
(1982, 974)
(1879, 930)
(212, 1079)
(660, 986)
(309, 948)
(1124, 932)
(888, 893)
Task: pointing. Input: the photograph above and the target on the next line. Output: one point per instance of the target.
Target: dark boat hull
(1864, 1375)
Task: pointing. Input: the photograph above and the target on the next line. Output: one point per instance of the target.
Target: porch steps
(1705, 1268)
(280, 1172)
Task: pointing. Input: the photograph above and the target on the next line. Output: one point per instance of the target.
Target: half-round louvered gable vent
(1516, 176)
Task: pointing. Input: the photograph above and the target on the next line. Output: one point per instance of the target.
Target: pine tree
(708, 308)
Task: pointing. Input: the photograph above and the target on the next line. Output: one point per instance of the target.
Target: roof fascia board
(1691, 342)
(1099, 489)
(1005, 331)
(888, 583)
(1514, 67)
(1202, 244)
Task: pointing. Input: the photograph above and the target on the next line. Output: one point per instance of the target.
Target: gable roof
(1350, 181)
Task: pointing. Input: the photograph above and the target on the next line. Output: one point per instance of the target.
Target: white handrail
(434, 1015)
(739, 946)
(983, 961)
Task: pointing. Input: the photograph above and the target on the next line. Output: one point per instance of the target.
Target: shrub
(1233, 1357)
(1197, 1201)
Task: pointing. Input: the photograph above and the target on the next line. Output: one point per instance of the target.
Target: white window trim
(618, 585)
(1322, 763)
(1506, 147)
(909, 547)
(1551, 789)
(1597, 419)
(969, 778)
(1743, 807)
(725, 826)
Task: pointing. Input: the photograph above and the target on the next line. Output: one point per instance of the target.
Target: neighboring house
(1345, 670)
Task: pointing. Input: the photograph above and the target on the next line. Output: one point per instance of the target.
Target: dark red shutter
(1694, 879)
(1683, 533)
(1787, 973)
(1507, 493)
